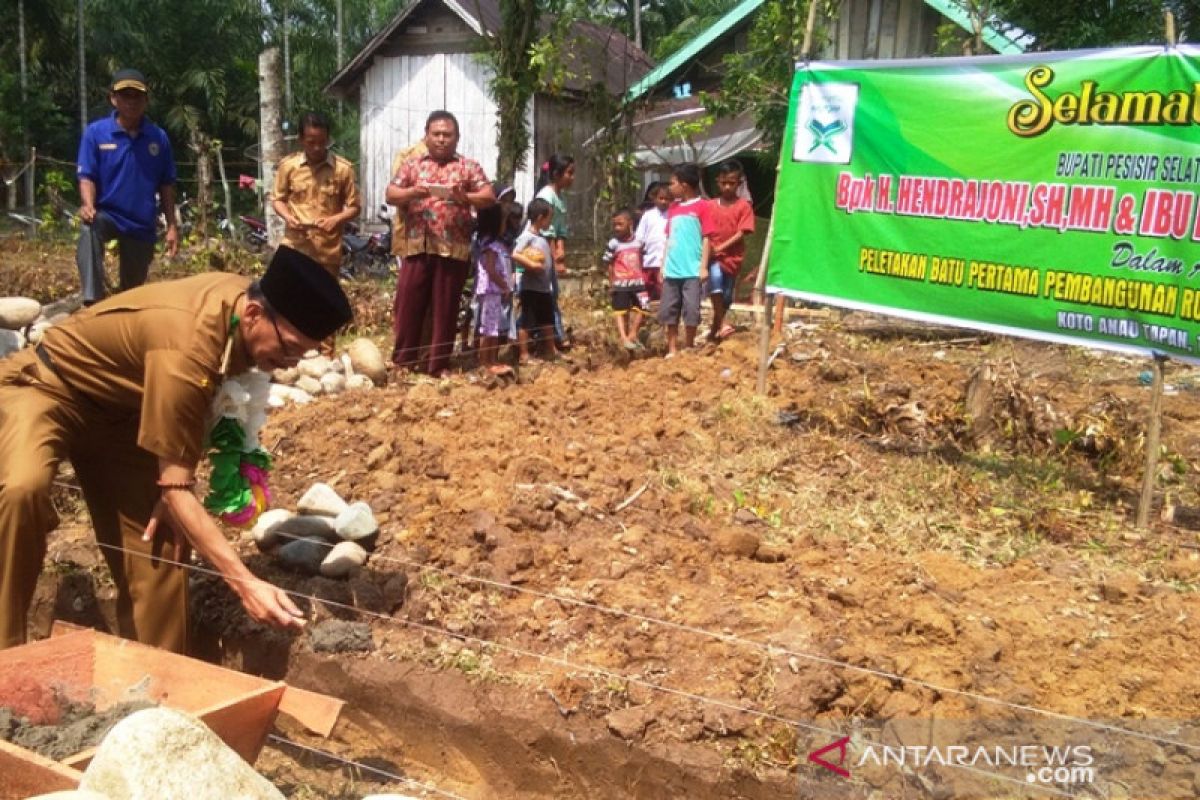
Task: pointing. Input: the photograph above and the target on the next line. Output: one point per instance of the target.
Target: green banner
(1052, 196)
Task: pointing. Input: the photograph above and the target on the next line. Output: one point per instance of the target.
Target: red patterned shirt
(434, 225)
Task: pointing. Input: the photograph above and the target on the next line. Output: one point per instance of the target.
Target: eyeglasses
(288, 351)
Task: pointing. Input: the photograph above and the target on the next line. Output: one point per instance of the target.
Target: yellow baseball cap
(128, 79)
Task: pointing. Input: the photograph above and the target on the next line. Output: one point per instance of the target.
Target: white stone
(287, 375)
(307, 383)
(355, 522)
(314, 367)
(263, 531)
(367, 360)
(356, 383)
(18, 312)
(280, 395)
(38, 330)
(321, 500)
(10, 342)
(332, 383)
(343, 560)
(79, 794)
(160, 752)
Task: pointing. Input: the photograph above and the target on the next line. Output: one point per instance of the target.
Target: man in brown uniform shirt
(316, 195)
(123, 390)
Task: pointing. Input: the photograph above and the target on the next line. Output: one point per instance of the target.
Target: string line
(576, 666)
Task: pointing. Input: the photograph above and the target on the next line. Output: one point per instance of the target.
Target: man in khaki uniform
(316, 196)
(414, 149)
(124, 390)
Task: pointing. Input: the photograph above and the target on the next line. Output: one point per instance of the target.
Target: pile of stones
(325, 535)
(23, 320)
(360, 367)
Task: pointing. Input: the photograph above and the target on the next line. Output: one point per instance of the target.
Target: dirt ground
(639, 578)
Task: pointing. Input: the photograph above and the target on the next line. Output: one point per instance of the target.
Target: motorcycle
(254, 233)
(370, 255)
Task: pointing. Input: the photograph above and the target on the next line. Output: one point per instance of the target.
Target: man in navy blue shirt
(125, 161)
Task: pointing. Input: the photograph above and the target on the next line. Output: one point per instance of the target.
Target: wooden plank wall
(562, 126)
(397, 95)
(866, 29)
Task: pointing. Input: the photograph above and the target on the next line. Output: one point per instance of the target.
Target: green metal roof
(693, 48)
(951, 9)
(993, 38)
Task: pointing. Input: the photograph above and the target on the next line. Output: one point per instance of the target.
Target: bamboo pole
(760, 280)
(1153, 430)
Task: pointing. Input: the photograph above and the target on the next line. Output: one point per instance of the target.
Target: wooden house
(861, 29)
(430, 56)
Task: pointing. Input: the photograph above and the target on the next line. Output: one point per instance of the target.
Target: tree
(514, 81)
(1071, 24)
(759, 79)
(666, 25)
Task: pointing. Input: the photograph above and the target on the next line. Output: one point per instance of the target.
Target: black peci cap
(304, 293)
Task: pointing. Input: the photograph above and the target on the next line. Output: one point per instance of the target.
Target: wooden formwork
(91, 667)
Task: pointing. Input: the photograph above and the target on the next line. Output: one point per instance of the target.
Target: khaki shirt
(154, 353)
(313, 192)
(414, 149)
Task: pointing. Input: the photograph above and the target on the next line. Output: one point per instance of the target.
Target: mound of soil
(645, 557)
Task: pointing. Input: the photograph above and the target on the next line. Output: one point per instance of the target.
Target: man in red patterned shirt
(436, 191)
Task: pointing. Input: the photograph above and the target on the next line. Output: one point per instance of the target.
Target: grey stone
(160, 752)
(355, 522)
(302, 526)
(18, 312)
(366, 359)
(263, 533)
(322, 500)
(345, 559)
(10, 342)
(304, 555)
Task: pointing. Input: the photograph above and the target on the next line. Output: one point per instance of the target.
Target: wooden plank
(874, 13)
(27, 672)
(859, 12)
(903, 24)
(887, 30)
(167, 678)
(843, 32)
(317, 712)
(24, 773)
(243, 723)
